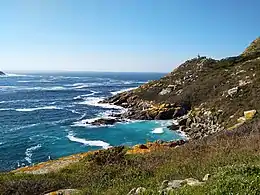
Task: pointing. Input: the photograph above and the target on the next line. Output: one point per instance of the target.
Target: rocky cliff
(204, 94)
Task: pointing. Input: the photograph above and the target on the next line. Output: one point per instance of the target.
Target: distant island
(2, 73)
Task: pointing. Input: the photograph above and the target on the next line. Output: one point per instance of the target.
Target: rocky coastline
(202, 96)
(193, 124)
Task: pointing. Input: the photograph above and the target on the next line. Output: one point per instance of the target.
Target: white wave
(80, 97)
(24, 127)
(122, 90)
(5, 109)
(94, 101)
(165, 123)
(29, 153)
(55, 88)
(132, 82)
(88, 142)
(16, 75)
(81, 87)
(35, 81)
(74, 111)
(38, 108)
(7, 87)
(24, 81)
(158, 130)
(183, 134)
(76, 84)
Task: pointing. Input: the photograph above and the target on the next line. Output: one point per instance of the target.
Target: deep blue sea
(44, 115)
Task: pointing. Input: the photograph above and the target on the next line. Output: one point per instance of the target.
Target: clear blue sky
(122, 35)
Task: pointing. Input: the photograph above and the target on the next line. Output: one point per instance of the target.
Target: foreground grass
(232, 158)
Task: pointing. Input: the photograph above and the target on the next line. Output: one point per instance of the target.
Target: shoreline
(46, 166)
(62, 162)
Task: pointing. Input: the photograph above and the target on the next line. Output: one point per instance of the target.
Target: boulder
(65, 192)
(206, 177)
(165, 91)
(233, 91)
(168, 186)
(137, 191)
(193, 182)
(104, 121)
(249, 114)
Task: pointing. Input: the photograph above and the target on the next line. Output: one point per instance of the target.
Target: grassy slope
(232, 159)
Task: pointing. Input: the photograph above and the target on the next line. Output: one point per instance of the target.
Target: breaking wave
(98, 143)
(29, 153)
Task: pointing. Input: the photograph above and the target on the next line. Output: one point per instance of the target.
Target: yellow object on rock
(249, 114)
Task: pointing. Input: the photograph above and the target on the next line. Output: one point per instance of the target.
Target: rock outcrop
(168, 187)
(253, 47)
(104, 121)
(231, 85)
(2, 73)
(65, 192)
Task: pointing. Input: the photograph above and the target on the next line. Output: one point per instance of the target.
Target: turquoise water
(44, 116)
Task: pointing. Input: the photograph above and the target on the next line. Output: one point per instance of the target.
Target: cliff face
(224, 88)
(1, 73)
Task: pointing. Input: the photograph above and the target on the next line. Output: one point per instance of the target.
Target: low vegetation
(232, 158)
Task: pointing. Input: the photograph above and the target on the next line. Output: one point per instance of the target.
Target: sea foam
(81, 97)
(98, 143)
(158, 130)
(122, 90)
(94, 101)
(29, 153)
(37, 108)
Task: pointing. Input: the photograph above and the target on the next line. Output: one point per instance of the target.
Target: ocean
(43, 115)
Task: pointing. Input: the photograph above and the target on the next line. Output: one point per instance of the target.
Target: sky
(122, 35)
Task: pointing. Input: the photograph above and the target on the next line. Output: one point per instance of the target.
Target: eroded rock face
(145, 110)
(200, 122)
